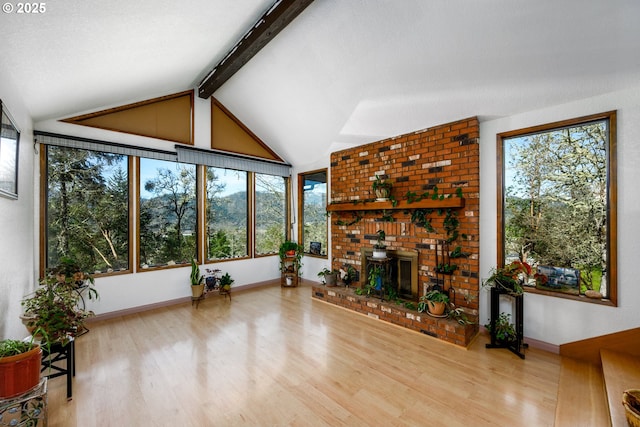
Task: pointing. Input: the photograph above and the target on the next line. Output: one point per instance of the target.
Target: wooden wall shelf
(453, 202)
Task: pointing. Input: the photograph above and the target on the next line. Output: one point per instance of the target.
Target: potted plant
(382, 188)
(56, 308)
(448, 269)
(434, 302)
(289, 249)
(348, 274)
(197, 280)
(379, 249)
(510, 277)
(375, 279)
(19, 367)
(225, 283)
(329, 277)
(292, 250)
(505, 331)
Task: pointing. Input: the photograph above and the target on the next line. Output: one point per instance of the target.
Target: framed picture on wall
(9, 140)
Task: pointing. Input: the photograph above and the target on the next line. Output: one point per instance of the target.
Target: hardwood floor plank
(275, 357)
(621, 372)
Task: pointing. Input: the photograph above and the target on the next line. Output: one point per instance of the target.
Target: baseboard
(161, 304)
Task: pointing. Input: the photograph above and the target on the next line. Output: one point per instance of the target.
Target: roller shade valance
(105, 147)
(225, 160)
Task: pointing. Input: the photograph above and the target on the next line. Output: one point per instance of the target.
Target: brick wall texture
(446, 157)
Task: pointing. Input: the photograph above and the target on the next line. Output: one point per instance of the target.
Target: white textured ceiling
(345, 72)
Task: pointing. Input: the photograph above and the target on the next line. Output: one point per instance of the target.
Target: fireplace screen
(403, 271)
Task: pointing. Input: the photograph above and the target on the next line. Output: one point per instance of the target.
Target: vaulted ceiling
(344, 72)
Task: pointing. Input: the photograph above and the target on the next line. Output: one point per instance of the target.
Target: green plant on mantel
(382, 187)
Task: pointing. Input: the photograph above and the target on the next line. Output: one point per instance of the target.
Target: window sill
(580, 298)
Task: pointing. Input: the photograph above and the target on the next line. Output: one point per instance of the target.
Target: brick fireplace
(442, 160)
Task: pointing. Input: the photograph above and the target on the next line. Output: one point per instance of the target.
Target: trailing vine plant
(356, 218)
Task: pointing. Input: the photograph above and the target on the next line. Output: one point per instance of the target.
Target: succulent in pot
(196, 279)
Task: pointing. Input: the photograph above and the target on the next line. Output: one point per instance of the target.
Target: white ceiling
(345, 72)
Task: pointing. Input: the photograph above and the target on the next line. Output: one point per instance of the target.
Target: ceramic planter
(20, 373)
(436, 308)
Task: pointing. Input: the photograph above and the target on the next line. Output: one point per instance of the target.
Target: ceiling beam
(262, 32)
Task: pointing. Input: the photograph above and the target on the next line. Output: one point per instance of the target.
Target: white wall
(555, 320)
(18, 247)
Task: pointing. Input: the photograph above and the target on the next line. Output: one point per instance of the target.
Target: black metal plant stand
(518, 345)
(53, 355)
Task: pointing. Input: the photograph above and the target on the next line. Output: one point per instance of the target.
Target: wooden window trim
(300, 208)
(612, 201)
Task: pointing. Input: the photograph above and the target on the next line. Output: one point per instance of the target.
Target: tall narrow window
(270, 213)
(227, 213)
(312, 217)
(87, 202)
(167, 213)
(558, 206)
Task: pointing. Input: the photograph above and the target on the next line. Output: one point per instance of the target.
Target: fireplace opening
(403, 271)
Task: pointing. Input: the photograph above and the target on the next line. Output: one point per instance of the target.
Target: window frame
(287, 213)
(134, 155)
(612, 189)
(44, 215)
(301, 179)
(198, 230)
(205, 224)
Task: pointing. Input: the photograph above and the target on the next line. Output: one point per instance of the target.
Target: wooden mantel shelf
(453, 202)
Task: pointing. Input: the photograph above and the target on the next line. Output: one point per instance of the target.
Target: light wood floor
(275, 357)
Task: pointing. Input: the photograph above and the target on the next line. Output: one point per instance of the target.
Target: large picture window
(557, 206)
(167, 213)
(312, 217)
(227, 213)
(87, 200)
(206, 206)
(270, 213)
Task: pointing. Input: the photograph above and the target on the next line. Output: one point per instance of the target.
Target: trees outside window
(167, 213)
(270, 213)
(558, 210)
(312, 217)
(226, 214)
(87, 199)
(89, 209)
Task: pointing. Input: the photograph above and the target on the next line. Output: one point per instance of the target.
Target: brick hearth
(444, 329)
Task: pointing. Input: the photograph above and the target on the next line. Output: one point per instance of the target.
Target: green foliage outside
(315, 220)
(168, 218)
(271, 215)
(556, 201)
(87, 209)
(226, 211)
